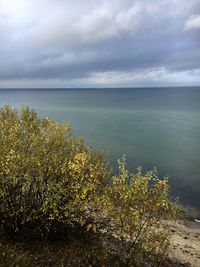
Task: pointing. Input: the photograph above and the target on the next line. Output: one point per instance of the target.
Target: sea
(152, 127)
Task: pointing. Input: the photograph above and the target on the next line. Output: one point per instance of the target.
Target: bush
(138, 205)
(52, 184)
(46, 175)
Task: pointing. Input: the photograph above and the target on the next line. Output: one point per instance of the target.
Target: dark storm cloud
(99, 42)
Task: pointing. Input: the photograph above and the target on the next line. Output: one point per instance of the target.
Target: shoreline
(185, 243)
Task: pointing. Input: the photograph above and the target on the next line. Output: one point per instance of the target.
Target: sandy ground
(185, 243)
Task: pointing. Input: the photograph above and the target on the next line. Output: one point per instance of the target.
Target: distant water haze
(153, 127)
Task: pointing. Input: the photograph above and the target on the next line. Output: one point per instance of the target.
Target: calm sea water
(151, 126)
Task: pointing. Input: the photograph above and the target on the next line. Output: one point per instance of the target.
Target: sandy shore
(185, 243)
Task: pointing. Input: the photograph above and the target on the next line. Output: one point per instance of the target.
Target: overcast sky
(99, 43)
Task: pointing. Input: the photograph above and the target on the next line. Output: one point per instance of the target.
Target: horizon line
(90, 88)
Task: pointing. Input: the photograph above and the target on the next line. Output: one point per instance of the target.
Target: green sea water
(151, 126)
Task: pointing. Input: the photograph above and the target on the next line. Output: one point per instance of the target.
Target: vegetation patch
(58, 193)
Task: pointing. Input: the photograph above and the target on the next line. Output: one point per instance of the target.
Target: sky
(99, 43)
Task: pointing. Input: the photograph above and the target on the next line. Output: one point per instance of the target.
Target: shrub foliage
(46, 175)
(137, 204)
(50, 180)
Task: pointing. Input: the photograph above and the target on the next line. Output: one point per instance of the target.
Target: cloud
(193, 22)
(160, 76)
(148, 77)
(68, 42)
(93, 25)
